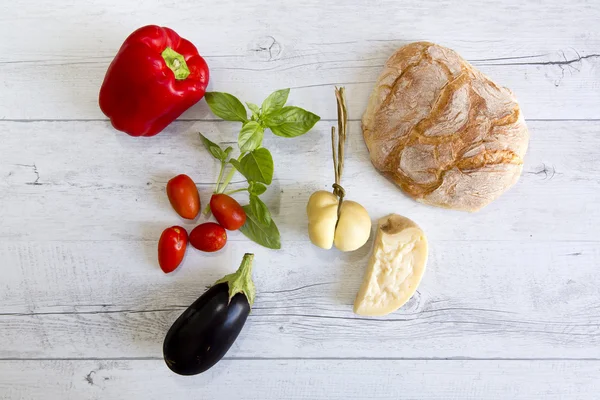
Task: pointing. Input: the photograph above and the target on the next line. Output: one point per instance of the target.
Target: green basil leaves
(256, 188)
(265, 235)
(256, 166)
(226, 106)
(255, 162)
(275, 101)
(260, 210)
(291, 121)
(251, 136)
(214, 149)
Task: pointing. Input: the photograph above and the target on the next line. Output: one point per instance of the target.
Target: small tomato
(208, 237)
(171, 248)
(184, 197)
(227, 211)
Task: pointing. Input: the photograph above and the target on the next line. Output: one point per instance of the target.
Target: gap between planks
(452, 358)
(25, 120)
(243, 240)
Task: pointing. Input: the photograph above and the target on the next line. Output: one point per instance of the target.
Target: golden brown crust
(442, 131)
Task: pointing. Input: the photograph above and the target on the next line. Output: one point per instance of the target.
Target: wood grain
(303, 380)
(508, 308)
(109, 299)
(80, 180)
(549, 56)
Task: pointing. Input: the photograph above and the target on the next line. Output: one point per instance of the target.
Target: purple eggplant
(203, 334)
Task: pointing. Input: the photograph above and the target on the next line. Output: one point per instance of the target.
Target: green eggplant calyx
(241, 280)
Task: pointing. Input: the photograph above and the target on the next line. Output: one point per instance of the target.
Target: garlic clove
(322, 217)
(353, 228)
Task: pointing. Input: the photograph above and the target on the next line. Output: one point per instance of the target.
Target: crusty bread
(443, 131)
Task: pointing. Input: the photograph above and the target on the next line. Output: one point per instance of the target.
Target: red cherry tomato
(171, 248)
(184, 197)
(227, 211)
(208, 237)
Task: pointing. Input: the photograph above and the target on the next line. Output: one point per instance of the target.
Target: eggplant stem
(241, 280)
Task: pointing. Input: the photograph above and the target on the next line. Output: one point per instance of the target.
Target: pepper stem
(241, 280)
(176, 63)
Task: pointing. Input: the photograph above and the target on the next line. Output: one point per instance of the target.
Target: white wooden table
(509, 306)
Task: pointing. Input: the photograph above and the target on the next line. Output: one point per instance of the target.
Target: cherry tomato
(184, 197)
(208, 237)
(227, 211)
(171, 248)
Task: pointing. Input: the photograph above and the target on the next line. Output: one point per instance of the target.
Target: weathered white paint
(87, 172)
(486, 299)
(54, 56)
(81, 208)
(303, 380)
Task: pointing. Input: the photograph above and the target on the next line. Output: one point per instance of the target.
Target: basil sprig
(255, 162)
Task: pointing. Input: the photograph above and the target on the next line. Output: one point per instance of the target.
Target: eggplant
(203, 334)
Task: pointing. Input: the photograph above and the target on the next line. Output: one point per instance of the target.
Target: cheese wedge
(395, 268)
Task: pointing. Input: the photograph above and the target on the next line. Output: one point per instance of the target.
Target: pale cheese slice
(395, 268)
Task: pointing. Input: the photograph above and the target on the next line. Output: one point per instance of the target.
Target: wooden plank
(303, 379)
(479, 299)
(548, 86)
(103, 26)
(510, 298)
(81, 180)
(548, 56)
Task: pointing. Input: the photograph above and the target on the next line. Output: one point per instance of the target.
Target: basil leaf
(275, 101)
(254, 108)
(260, 210)
(257, 166)
(226, 106)
(251, 136)
(214, 149)
(236, 164)
(256, 188)
(228, 151)
(265, 235)
(291, 121)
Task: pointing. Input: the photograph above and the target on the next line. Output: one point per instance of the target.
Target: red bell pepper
(154, 78)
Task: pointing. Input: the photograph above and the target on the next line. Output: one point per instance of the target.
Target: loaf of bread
(443, 131)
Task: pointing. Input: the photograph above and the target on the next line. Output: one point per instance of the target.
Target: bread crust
(442, 130)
